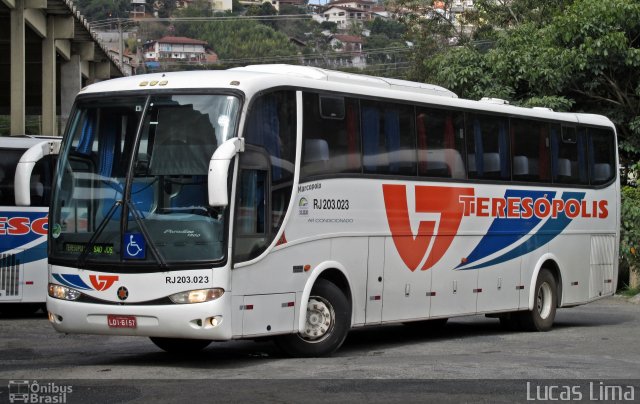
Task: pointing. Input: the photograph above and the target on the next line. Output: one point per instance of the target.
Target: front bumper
(170, 320)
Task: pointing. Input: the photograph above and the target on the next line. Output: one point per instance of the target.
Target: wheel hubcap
(320, 319)
(543, 300)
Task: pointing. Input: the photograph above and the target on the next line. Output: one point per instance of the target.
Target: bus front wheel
(544, 304)
(328, 319)
(180, 345)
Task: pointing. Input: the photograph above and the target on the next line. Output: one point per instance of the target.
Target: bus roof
(255, 78)
(23, 142)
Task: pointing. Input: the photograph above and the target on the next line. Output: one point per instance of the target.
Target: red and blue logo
(428, 199)
(98, 282)
(524, 220)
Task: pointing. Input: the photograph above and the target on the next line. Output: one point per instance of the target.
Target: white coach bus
(26, 162)
(299, 203)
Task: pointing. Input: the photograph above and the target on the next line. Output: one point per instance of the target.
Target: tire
(180, 345)
(327, 323)
(544, 304)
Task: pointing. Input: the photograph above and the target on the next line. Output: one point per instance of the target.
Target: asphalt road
(472, 359)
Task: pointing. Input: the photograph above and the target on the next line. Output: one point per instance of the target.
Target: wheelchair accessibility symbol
(135, 247)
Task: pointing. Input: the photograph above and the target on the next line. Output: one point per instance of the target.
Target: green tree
(294, 28)
(629, 228)
(95, 10)
(236, 7)
(328, 25)
(492, 16)
(165, 7)
(241, 42)
(263, 10)
(390, 29)
(586, 58)
(430, 26)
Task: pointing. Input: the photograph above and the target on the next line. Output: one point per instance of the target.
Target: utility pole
(120, 43)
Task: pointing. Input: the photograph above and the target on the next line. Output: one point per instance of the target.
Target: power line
(112, 21)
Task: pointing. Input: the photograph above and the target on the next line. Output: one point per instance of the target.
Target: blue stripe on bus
(549, 230)
(71, 280)
(504, 232)
(35, 253)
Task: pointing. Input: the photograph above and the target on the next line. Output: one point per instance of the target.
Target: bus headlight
(63, 292)
(197, 296)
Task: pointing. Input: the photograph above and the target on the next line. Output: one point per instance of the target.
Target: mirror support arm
(25, 167)
(219, 171)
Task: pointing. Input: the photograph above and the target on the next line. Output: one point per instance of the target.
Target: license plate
(121, 321)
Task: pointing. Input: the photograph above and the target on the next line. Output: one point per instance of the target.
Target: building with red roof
(176, 48)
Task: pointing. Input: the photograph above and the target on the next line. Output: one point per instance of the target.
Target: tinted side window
(8, 160)
(487, 147)
(388, 138)
(331, 144)
(568, 155)
(440, 143)
(40, 181)
(602, 156)
(530, 151)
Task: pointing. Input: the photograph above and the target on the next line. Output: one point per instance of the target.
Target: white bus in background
(28, 162)
(298, 203)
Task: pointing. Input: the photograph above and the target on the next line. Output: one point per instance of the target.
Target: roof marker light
(143, 83)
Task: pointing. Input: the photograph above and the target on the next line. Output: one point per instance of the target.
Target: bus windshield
(132, 183)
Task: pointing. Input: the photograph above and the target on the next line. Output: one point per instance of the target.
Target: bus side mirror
(22, 179)
(219, 171)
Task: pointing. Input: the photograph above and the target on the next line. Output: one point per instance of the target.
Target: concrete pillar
(17, 69)
(70, 85)
(49, 117)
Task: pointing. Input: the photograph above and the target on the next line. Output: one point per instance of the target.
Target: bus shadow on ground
(22, 311)
(364, 341)
(359, 342)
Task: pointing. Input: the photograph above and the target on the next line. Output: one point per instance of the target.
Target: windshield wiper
(143, 229)
(85, 252)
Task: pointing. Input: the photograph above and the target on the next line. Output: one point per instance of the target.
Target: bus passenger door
(252, 221)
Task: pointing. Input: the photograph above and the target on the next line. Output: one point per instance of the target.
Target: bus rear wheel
(180, 345)
(544, 304)
(328, 319)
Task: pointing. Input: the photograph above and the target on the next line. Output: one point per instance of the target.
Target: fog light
(63, 292)
(197, 296)
(54, 318)
(215, 320)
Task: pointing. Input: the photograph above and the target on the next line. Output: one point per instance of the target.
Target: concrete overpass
(47, 54)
